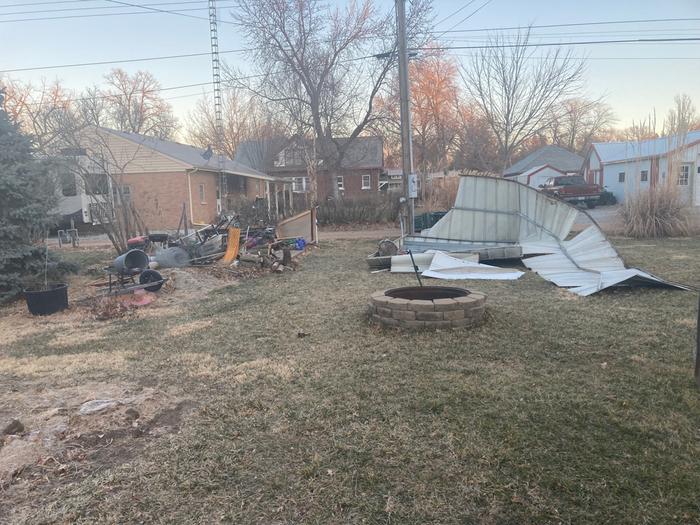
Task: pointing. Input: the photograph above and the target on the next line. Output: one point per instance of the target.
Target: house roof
(611, 152)
(363, 152)
(537, 169)
(557, 157)
(190, 155)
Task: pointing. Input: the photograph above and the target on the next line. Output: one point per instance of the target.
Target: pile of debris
(495, 218)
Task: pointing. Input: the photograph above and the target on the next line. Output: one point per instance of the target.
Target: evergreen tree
(27, 199)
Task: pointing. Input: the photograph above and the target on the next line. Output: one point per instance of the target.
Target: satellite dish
(208, 153)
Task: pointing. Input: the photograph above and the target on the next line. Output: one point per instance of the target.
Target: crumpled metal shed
(496, 212)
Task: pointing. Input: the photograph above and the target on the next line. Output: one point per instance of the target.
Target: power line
(100, 15)
(48, 3)
(453, 14)
(550, 44)
(121, 61)
(145, 9)
(156, 10)
(487, 2)
(156, 90)
(573, 24)
(592, 58)
(102, 8)
(446, 48)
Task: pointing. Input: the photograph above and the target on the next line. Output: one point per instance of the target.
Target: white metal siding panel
(505, 211)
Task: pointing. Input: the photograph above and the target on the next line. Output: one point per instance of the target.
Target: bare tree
(682, 117)
(41, 111)
(642, 130)
(245, 119)
(515, 94)
(322, 66)
(577, 122)
(133, 103)
(100, 166)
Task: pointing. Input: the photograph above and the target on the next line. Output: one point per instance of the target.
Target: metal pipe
(415, 268)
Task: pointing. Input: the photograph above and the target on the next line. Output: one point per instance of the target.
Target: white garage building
(627, 167)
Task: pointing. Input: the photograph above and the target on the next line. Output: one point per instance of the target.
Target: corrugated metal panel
(502, 212)
(499, 211)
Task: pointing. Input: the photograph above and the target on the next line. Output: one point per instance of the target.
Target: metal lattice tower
(218, 99)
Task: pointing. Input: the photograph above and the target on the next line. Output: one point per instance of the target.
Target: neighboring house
(158, 177)
(360, 171)
(626, 167)
(537, 176)
(554, 156)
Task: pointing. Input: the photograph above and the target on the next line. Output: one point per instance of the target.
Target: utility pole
(409, 179)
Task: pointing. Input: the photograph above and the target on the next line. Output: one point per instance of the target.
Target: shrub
(251, 212)
(27, 196)
(655, 212)
(607, 199)
(361, 210)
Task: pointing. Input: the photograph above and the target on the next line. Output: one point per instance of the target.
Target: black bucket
(46, 302)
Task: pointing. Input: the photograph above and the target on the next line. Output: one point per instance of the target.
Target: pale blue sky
(632, 87)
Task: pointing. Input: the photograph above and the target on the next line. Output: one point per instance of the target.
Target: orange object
(234, 241)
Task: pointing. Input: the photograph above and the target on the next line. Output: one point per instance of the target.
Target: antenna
(218, 103)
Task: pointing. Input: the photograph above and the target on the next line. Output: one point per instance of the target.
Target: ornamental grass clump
(655, 212)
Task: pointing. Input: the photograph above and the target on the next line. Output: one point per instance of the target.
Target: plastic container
(131, 260)
(47, 302)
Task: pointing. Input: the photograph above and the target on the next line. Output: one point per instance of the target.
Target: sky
(633, 78)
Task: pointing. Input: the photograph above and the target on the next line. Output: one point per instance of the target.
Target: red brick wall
(255, 188)
(158, 198)
(352, 181)
(203, 212)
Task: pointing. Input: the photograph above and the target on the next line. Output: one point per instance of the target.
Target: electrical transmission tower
(218, 102)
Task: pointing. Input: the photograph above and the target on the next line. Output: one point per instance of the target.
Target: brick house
(159, 177)
(361, 170)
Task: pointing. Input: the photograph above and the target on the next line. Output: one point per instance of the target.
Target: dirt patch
(57, 432)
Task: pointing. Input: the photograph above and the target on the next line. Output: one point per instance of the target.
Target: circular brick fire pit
(419, 307)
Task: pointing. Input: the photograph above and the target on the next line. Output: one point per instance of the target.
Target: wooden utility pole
(409, 178)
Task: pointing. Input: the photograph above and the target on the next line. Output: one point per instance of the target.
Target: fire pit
(420, 307)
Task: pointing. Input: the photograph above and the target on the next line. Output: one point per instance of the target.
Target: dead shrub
(655, 212)
(362, 210)
(440, 194)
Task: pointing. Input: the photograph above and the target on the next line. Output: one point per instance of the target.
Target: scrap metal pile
(499, 219)
(224, 243)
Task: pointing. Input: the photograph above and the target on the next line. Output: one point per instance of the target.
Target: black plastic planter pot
(46, 302)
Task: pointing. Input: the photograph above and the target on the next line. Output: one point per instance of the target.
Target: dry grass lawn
(557, 409)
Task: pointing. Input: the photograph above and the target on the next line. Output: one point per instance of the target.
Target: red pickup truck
(574, 189)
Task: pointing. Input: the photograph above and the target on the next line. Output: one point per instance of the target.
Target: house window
(293, 157)
(300, 184)
(644, 176)
(341, 183)
(125, 191)
(201, 194)
(366, 182)
(621, 177)
(684, 175)
(68, 186)
(97, 184)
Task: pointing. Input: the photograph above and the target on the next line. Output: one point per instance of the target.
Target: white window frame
(340, 181)
(202, 193)
(684, 175)
(300, 185)
(368, 185)
(644, 176)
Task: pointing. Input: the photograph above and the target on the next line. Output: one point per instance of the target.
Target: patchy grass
(553, 411)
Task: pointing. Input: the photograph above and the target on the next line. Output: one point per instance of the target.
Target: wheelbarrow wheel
(151, 276)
